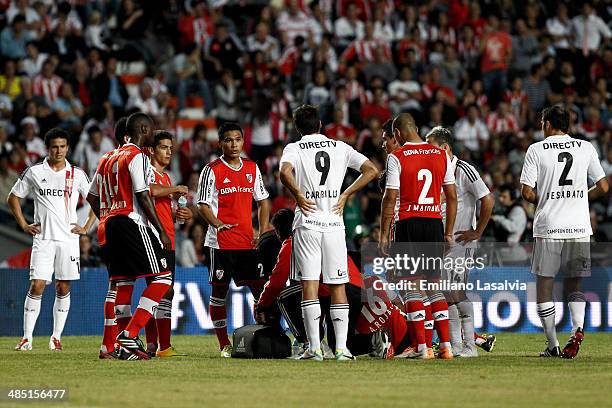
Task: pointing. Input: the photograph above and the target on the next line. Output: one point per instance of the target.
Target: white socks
(311, 312)
(31, 310)
(546, 311)
(577, 305)
(339, 314)
(454, 325)
(60, 314)
(466, 314)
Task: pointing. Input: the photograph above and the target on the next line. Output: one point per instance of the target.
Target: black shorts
(420, 238)
(241, 265)
(171, 260)
(132, 250)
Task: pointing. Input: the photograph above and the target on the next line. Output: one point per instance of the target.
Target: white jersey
(470, 189)
(56, 195)
(559, 168)
(320, 165)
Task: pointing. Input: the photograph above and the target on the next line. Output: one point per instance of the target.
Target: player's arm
(260, 194)
(159, 190)
(20, 190)
(387, 210)
(529, 194)
(286, 177)
(369, 172)
(94, 203)
(596, 172)
(529, 176)
(278, 278)
(77, 229)
(206, 192)
(600, 188)
(450, 193)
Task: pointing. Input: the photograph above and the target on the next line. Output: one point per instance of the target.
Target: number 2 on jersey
(568, 159)
(322, 163)
(426, 176)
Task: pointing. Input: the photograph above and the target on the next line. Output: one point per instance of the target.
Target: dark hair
(135, 121)
(64, 8)
(306, 119)
(558, 117)
(510, 189)
(121, 130)
(387, 128)
(19, 18)
(228, 127)
(190, 48)
(93, 129)
(282, 222)
(197, 129)
(56, 133)
(161, 135)
(442, 135)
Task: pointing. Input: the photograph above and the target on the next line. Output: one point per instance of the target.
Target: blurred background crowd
(484, 68)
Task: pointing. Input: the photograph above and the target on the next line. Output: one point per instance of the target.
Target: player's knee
(169, 293)
(37, 287)
(62, 287)
(220, 291)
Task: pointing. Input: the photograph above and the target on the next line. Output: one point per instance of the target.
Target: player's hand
(339, 207)
(77, 229)
(255, 241)
(449, 238)
(181, 190)
(306, 206)
(466, 236)
(224, 227)
(165, 240)
(32, 229)
(184, 214)
(383, 245)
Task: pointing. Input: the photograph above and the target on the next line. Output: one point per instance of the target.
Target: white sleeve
(476, 186)
(139, 169)
(289, 155)
(259, 188)
(595, 171)
(529, 175)
(355, 159)
(393, 173)
(84, 184)
(206, 186)
(94, 186)
(23, 184)
(449, 177)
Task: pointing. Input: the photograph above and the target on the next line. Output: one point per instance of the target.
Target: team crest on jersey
(219, 273)
(249, 177)
(163, 262)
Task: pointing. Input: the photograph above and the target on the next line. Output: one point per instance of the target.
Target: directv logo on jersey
(54, 192)
(317, 145)
(564, 145)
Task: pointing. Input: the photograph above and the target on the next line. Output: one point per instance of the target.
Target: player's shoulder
(214, 163)
(468, 170)
(31, 169)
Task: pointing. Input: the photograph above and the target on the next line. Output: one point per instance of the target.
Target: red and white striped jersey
(97, 189)
(48, 88)
(418, 171)
(363, 50)
(498, 124)
(125, 175)
(229, 193)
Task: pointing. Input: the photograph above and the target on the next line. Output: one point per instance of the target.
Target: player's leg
(415, 312)
(429, 321)
(163, 320)
(546, 263)
(151, 330)
(61, 307)
(219, 276)
(110, 324)
(123, 303)
(289, 303)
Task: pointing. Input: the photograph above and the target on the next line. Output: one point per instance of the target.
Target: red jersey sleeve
(279, 276)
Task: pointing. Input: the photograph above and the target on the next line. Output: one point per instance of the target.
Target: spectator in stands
(511, 224)
(35, 146)
(379, 107)
(502, 121)
(68, 109)
(496, 56)
(227, 98)
(524, 49)
(89, 151)
(10, 82)
(560, 28)
(188, 77)
(109, 88)
(348, 27)
(8, 176)
(33, 63)
(292, 23)
(262, 41)
(405, 93)
(380, 66)
(339, 131)
(14, 37)
(537, 89)
(588, 30)
(262, 141)
(88, 257)
(144, 100)
(317, 92)
(472, 131)
(192, 248)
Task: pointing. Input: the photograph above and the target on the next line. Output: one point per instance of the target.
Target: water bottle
(182, 203)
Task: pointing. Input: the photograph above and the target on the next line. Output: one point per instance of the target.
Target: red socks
(163, 319)
(218, 315)
(429, 322)
(148, 301)
(413, 306)
(110, 325)
(439, 309)
(123, 302)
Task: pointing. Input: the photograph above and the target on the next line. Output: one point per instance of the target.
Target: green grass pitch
(512, 375)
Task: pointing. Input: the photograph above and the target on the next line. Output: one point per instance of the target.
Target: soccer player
(418, 173)
(55, 185)
(158, 330)
(133, 250)
(100, 202)
(470, 190)
(313, 170)
(226, 191)
(554, 177)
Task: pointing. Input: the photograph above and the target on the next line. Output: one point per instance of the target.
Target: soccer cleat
(555, 352)
(23, 345)
(430, 354)
(573, 344)
(297, 349)
(151, 349)
(226, 351)
(468, 352)
(55, 344)
(344, 355)
(328, 354)
(308, 354)
(133, 345)
(404, 354)
(426, 354)
(111, 355)
(169, 352)
(445, 354)
(381, 346)
(489, 343)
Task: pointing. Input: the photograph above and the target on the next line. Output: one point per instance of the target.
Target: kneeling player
(226, 191)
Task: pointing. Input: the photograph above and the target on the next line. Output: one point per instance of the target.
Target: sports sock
(151, 334)
(31, 310)
(148, 302)
(466, 314)
(123, 303)
(339, 314)
(454, 325)
(163, 318)
(577, 306)
(479, 340)
(311, 313)
(110, 325)
(218, 315)
(439, 309)
(546, 311)
(61, 307)
(429, 322)
(416, 318)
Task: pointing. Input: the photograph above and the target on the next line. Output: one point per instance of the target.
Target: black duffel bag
(259, 341)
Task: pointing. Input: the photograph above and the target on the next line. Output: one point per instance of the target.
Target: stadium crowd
(484, 68)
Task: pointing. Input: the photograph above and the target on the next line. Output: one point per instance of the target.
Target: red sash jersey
(230, 192)
(418, 171)
(163, 205)
(97, 189)
(280, 275)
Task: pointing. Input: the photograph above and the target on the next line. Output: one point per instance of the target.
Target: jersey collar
(414, 143)
(233, 168)
(46, 165)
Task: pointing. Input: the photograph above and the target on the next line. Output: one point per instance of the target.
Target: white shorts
(572, 257)
(458, 261)
(318, 254)
(61, 257)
